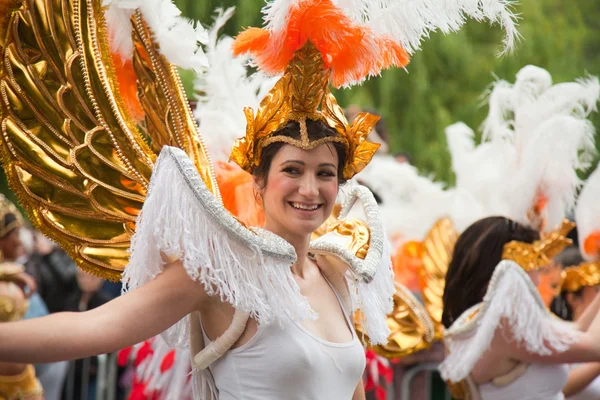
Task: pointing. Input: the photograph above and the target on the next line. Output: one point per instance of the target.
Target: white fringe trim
(182, 218)
(512, 296)
(375, 299)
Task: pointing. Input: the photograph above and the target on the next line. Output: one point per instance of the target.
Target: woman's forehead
(323, 154)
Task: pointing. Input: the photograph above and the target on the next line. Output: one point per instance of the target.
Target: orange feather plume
(351, 52)
(591, 244)
(235, 184)
(128, 85)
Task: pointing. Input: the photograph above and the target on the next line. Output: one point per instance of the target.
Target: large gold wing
(437, 247)
(77, 159)
(411, 329)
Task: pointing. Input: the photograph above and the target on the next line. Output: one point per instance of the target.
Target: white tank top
(289, 362)
(538, 382)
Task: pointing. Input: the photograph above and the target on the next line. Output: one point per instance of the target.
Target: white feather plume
(536, 138)
(179, 38)
(587, 212)
(412, 203)
(224, 90)
(408, 22)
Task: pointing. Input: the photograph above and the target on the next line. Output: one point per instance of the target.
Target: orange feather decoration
(127, 80)
(350, 51)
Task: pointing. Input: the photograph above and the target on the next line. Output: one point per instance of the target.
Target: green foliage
(445, 81)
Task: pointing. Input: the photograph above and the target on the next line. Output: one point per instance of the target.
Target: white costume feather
(408, 22)
(224, 89)
(587, 212)
(179, 38)
(536, 138)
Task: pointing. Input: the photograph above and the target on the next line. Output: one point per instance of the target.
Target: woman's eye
(328, 174)
(291, 170)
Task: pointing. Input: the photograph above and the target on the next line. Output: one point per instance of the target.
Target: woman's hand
(26, 283)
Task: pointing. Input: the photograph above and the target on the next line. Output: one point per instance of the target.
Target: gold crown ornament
(578, 276)
(307, 56)
(303, 94)
(532, 256)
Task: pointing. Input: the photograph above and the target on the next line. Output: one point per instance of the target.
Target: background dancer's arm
(580, 377)
(586, 318)
(129, 319)
(585, 349)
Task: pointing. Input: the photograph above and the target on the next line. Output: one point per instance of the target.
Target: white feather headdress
(179, 39)
(535, 140)
(224, 89)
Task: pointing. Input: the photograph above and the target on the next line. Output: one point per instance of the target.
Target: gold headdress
(532, 256)
(8, 224)
(584, 274)
(309, 58)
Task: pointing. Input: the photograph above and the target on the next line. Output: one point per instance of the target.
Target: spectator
(86, 296)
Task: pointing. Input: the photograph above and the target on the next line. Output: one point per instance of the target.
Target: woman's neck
(301, 245)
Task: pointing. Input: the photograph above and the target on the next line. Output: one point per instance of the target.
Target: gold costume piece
(438, 247)
(7, 207)
(303, 94)
(532, 256)
(584, 274)
(24, 386)
(78, 160)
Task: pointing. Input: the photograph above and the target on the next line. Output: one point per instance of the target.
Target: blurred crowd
(60, 286)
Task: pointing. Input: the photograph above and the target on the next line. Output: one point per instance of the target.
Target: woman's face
(11, 246)
(301, 189)
(534, 275)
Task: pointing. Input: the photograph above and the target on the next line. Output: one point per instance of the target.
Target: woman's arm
(586, 318)
(359, 392)
(580, 377)
(585, 349)
(129, 319)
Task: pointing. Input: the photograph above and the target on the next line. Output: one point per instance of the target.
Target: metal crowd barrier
(411, 373)
(106, 378)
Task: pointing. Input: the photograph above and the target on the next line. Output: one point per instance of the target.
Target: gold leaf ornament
(533, 256)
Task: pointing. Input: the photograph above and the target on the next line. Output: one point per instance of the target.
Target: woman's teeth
(308, 207)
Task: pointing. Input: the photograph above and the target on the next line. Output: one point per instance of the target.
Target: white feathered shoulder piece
(182, 219)
(356, 258)
(513, 298)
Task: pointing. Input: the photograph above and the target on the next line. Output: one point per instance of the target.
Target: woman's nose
(308, 186)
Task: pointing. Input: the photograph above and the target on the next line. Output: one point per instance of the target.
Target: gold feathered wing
(437, 248)
(78, 161)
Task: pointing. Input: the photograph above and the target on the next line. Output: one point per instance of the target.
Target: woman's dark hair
(560, 306)
(316, 130)
(476, 254)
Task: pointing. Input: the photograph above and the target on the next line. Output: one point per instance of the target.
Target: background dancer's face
(301, 189)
